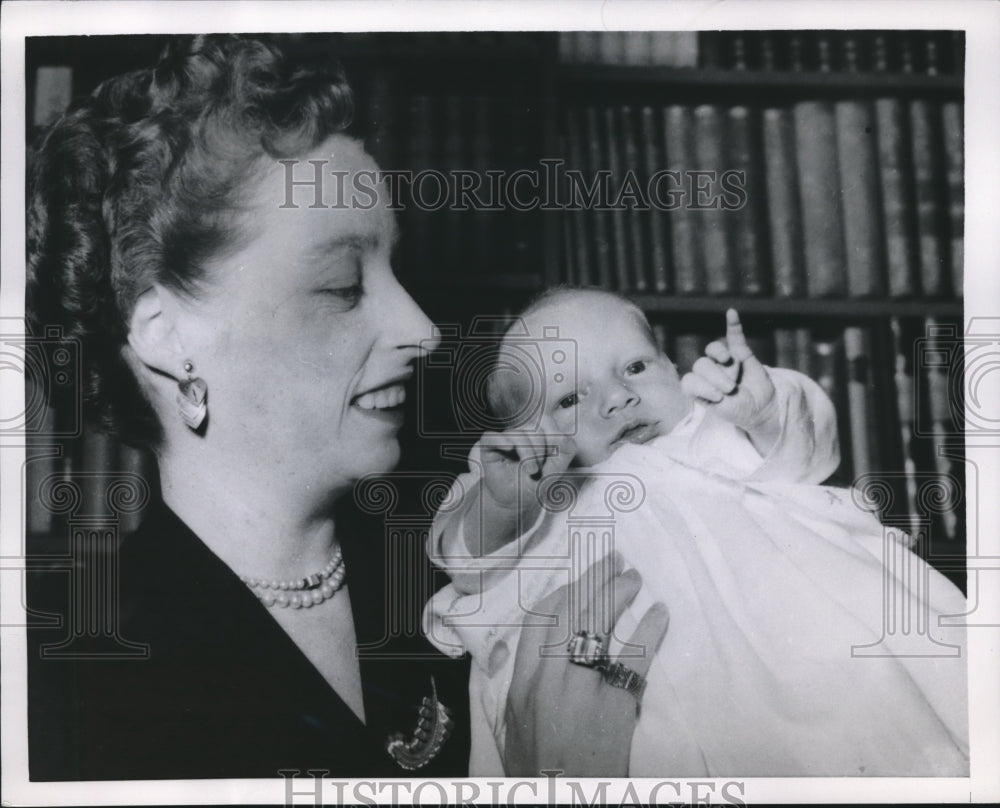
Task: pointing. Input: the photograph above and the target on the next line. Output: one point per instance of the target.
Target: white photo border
(981, 22)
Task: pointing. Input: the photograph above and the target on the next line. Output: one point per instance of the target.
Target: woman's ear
(153, 333)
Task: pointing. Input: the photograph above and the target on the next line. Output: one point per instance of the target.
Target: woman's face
(306, 338)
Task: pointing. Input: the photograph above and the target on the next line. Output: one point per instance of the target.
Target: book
(142, 464)
(100, 465)
(566, 46)
(783, 205)
(568, 272)
(419, 226)
(861, 401)
(611, 47)
(824, 52)
(793, 349)
(796, 52)
(784, 347)
(685, 227)
(522, 250)
(578, 218)
(451, 221)
(762, 346)
(484, 231)
(688, 348)
(819, 190)
(662, 337)
(939, 408)
(612, 144)
(928, 174)
(904, 384)
(631, 200)
(858, 163)
(849, 52)
(897, 198)
(954, 152)
(637, 48)
(737, 50)
(599, 215)
(42, 456)
(710, 49)
(711, 147)
(767, 52)
(829, 373)
(747, 221)
(588, 46)
(956, 51)
(655, 219)
(674, 48)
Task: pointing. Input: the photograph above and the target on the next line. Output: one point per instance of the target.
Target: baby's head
(618, 388)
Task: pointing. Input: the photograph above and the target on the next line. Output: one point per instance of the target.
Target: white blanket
(804, 638)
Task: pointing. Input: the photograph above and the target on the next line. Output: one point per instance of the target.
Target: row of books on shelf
(92, 476)
(928, 53)
(664, 48)
(454, 136)
(820, 199)
(902, 52)
(875, 377)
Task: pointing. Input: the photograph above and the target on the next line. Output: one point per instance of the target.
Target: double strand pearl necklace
(300, 593)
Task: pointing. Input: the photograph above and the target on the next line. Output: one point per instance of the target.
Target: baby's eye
(568, 401)
(636, 367)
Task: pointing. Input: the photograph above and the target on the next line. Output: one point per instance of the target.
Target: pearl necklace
(300, 593)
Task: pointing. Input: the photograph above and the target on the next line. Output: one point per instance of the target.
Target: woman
(261, 346)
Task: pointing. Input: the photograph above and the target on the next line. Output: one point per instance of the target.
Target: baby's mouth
(638, 432)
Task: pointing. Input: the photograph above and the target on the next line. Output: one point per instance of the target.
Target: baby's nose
(619, 396)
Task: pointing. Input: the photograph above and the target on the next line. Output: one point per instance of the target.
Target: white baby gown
(804, 639)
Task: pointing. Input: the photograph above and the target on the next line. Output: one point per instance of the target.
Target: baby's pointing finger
(735, 338)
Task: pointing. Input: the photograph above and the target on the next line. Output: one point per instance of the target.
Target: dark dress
(224, 692)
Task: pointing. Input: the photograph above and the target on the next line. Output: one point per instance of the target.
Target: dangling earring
(191, 398)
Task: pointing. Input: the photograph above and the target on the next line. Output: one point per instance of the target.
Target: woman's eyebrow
(345, 241)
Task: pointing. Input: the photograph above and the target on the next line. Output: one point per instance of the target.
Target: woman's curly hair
(140, 183)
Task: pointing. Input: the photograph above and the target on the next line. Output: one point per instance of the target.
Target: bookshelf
(804, 114)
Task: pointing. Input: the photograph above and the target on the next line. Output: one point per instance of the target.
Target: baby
(778, 660)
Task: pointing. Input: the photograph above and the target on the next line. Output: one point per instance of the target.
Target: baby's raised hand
(733, 382)
(514, 464)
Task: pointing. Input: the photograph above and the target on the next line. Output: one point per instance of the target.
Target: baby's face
(621, 390)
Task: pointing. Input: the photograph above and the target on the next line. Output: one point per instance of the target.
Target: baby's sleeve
(462, 615)
(807, 450)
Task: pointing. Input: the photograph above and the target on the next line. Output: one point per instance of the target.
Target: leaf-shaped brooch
(433, 729)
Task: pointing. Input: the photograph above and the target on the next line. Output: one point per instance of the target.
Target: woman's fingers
(608, 592)
(646, 639)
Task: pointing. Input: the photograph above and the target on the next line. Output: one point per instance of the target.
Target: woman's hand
(563, 716)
